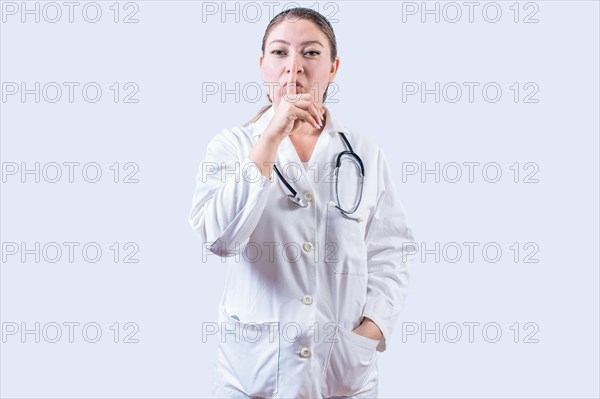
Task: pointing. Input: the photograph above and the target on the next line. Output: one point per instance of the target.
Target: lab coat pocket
(248, 355)
(344, 248)
(349, 365)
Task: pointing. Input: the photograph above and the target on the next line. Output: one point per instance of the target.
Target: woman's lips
(299, 88)
(298, 85)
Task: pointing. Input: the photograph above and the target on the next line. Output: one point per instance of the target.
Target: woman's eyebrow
(303, 43)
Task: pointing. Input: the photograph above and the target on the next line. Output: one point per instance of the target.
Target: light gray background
(170, 53)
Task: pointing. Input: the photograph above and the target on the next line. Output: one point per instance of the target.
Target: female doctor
(305, 212)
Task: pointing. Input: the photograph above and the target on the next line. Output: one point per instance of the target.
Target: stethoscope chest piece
(296, 199)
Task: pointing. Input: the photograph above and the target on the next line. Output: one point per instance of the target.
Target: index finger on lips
(290, 89)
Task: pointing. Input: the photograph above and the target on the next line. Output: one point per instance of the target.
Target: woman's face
(297, 50)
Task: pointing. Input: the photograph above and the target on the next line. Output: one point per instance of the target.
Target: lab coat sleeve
(229, 197)
(388, 240)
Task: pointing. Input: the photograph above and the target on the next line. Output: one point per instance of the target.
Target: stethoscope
(296, 199)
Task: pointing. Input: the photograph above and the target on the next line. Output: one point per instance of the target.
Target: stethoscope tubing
(294, 197)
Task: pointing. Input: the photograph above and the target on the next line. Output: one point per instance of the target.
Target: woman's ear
(260, 62)
(335, 66)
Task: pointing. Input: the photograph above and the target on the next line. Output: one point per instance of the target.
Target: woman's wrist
(369, 329)
(273, 136)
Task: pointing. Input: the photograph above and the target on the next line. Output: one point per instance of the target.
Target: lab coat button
(307, 299)
(307, 246)
(308, 196)
(305, 352)
(331, 203)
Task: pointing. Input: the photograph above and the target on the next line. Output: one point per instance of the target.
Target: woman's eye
(312, 53)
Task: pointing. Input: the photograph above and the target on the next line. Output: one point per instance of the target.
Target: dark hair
(296, 14)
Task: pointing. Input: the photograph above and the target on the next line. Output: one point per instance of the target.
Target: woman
(316, 278)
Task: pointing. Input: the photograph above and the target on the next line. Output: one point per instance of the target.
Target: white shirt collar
(331, 124)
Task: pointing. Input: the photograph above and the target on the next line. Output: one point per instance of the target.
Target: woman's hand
(368, 329)
(293, 111)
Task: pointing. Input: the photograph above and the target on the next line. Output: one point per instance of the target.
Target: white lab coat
(300, 279)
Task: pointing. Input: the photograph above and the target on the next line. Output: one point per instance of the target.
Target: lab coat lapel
(287, 154)
(287, 151)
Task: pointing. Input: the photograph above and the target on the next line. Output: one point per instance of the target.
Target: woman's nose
(294, 66)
